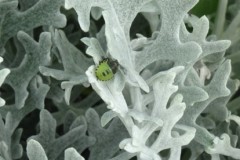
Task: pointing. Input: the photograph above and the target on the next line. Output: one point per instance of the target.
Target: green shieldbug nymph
(106, 69)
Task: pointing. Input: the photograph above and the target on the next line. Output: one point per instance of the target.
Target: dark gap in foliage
(78, 94)
(189, 27)
(81, 92)
(185, 154)
(60, 130)
(56, 62)
(204, 7)
(170, 100)
(238, 133)
(85, 98)
(153, 137)
(134, 158)
(204, 155)
(165, 152)
(210, 31)
(48, 105)
(3, 119)
(73, 29)
(238, 112)
(86, 153)
(7, 93)
(204, 114)
(228, 17)
(19, 6)
(99, 103)
(81, 46)
(37, 32)
(90, 90)
(235, 95)
(72, 18)
(140, 25)
(29, 123)
(233, 127)
(101, 108)
(208, 81)
(98, 23)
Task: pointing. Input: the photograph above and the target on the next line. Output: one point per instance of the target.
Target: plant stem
(220, 17)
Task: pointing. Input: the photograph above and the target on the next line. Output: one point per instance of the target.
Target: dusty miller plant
(168, 97)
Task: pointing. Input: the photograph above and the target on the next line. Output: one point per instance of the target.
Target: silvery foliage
(231, 32)
(170, 91)
(36, 152)
(165, 115)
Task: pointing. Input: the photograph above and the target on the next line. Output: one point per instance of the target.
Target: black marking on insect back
(103, 74)
(108, 71)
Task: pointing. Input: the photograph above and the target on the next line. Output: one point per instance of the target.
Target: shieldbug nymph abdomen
(106, 69)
